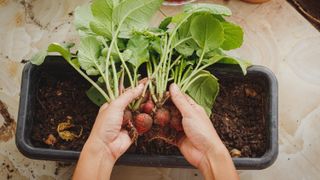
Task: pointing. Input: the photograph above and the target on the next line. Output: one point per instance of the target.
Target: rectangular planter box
(58, 67)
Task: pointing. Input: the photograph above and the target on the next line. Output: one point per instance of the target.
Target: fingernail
(140, 86)
(174, 87)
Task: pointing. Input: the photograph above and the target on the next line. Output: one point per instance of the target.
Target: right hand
(201, 139)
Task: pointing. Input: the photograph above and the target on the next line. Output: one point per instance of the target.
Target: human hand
(107, 142)
(107, 131)
(200, 133)
(201, 145)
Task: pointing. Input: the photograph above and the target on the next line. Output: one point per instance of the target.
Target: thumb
(126, 98)
(179, 99)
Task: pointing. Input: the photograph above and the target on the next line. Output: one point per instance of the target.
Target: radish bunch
(118, 48)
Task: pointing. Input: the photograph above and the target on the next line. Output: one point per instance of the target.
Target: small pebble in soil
(51, 140)
(235, 153)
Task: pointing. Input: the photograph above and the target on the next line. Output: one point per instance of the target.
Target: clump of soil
(8, 127)
(238, 116)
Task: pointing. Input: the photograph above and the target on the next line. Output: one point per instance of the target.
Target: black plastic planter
(57, 66)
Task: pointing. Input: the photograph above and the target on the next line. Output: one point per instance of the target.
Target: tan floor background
(275, 36)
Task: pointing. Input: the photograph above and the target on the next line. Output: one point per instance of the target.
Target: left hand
(106, 132)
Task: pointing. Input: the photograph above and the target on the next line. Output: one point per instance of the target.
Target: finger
(102, 112)
(180, 100)
(144, 81)
(103, 107)
(190, 152)
(126, 98)
(121, 143)
(125, 140)
(195, 105)
(180, 140)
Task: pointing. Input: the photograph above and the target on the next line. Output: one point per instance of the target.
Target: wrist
(214, 156)
(95, 162)
(95, 148)
(217, 164)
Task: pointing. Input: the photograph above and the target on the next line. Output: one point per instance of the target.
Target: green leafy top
(214, 9)
(135, 14)
(207, 32)
(83, 17)
(116, 43)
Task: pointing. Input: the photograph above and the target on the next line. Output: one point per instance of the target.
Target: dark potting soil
(60, 100)
(238, 116)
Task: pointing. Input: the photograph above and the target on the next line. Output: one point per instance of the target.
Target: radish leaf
(232, 60)
(204, 90)
(211, 8)
(233, 36)
(82, 18)
(102, 12)
(185, 49)
(207, 32)
(39, 57)
(138, 45)
(89, 51)
(165, 22)
(95, 96)
(65, 53)
(135, 14)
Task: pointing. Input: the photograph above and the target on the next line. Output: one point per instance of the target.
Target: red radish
(143, 122)
(147, 107)
(127, 116)
(146, 97)
(162, 117)
(176, 119)
(174, 111)
(176, 123)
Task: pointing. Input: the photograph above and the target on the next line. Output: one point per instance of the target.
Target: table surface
(276, 36)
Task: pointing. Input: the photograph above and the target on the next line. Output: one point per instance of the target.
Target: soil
(58, 101)
(8, 127)
(238, 116)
